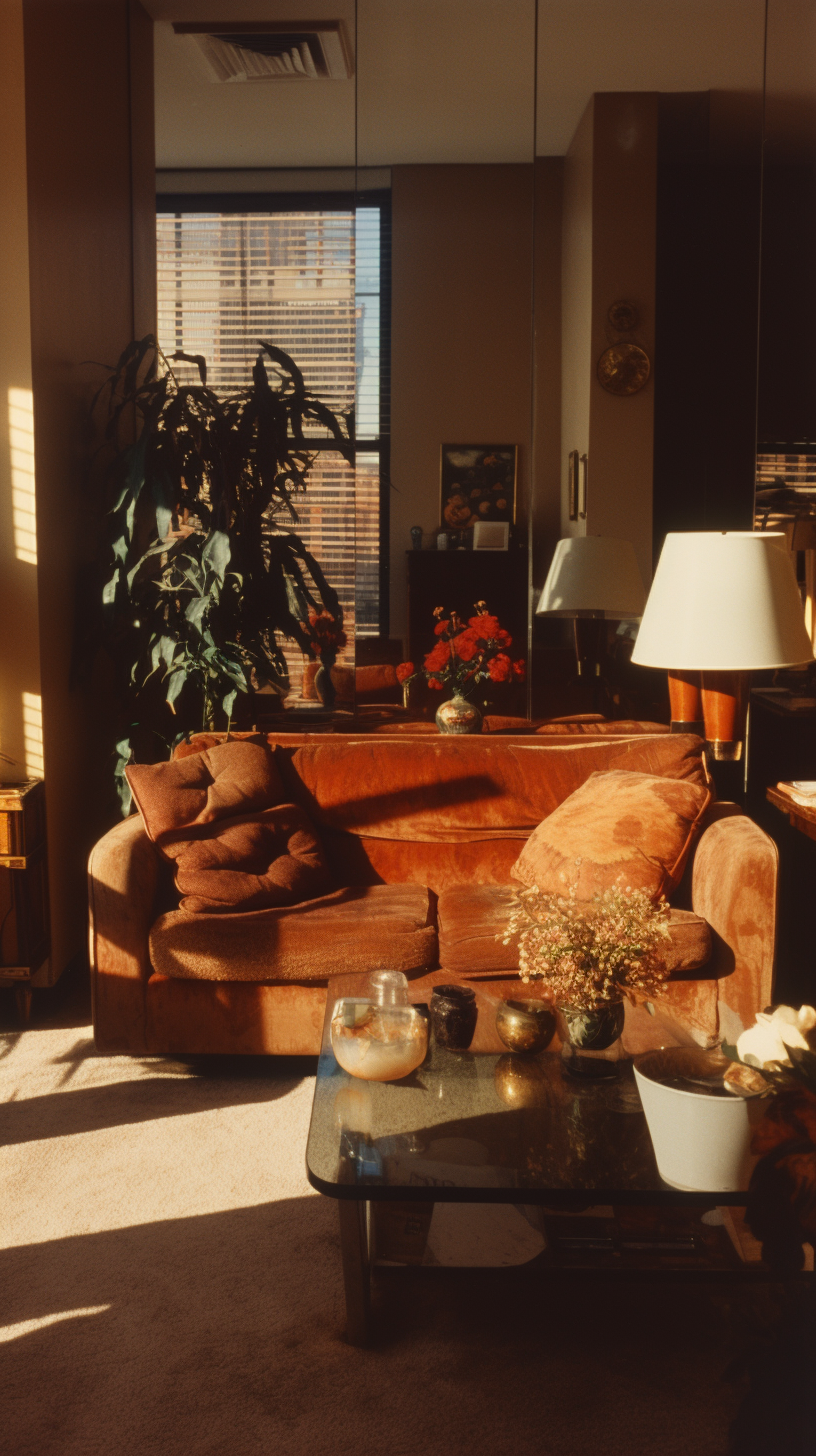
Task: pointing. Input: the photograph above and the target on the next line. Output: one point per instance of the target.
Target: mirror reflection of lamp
(593, 579)
(722, 604)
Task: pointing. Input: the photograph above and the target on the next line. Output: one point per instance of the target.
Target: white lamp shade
(723, 601)
(593, 575)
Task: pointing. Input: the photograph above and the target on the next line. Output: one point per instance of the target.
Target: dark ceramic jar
(453, 1016)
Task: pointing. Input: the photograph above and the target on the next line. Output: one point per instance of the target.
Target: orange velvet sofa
(420, 833)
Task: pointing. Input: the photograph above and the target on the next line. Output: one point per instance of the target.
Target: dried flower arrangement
(591, 953)
(466, 655)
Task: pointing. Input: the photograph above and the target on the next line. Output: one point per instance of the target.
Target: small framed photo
(478, 484)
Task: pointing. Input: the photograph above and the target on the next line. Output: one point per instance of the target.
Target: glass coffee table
(481, 1126)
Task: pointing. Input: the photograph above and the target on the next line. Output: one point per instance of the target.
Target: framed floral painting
(478, 484)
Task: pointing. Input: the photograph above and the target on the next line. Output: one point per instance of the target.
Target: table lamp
(722, 604)
(592, 579)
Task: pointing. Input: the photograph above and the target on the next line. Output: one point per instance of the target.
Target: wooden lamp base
(714, 705)
(686, 703)
(725, 708)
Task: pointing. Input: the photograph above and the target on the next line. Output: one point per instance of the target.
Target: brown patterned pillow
(250, 862)
(618, 828)
(217, 816)
(236, 777)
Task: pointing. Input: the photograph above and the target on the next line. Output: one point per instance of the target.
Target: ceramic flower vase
(324, 687)
(590, 1039)
(457, 715)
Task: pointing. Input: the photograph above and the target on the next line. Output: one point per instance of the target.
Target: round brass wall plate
(623, 316)
(623, 369)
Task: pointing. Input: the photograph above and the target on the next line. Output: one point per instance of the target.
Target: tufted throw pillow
(250, 862)
(217, 816)
(236, 777)
(618, 828)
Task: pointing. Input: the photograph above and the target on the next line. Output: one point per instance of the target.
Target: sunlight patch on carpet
(27, 1327)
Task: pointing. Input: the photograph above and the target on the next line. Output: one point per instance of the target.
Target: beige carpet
(170, 1284)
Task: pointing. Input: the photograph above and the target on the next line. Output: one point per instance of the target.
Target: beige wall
(20, 739)
(461, 333)
(82, 154)
(610, 194)
(576, 302)
(546, 503)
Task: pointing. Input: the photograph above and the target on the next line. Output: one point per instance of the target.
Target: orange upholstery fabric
(123, 882)
(469, 917)
(686, 1013)
(386, 829)
(237, 777)
(618, 828)
(375, 678)
(734, 887)
(255, 860)
(382, 927)
(453, 790)
(613, 726)
(202, 1018)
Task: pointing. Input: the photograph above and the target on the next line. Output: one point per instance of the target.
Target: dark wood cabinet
(24, 925)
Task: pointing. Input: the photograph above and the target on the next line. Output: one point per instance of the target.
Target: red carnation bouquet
(327, 635)
(466, 653)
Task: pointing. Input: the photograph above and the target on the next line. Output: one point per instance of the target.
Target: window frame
(176, 203)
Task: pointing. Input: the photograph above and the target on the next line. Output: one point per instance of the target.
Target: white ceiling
(443, 80)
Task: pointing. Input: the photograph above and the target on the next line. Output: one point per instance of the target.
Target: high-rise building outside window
(308, 280)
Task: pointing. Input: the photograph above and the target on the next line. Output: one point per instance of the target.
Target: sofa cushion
(469, 917)
(618, 828)
(251, 861)
(376, 927)
(456, 789)
(236, 777)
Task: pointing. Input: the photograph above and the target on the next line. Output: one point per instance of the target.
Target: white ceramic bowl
(700, 1141)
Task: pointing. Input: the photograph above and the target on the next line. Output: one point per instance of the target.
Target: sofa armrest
(734, 887)
(123, 875)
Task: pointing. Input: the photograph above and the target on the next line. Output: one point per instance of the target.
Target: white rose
(774, 1032)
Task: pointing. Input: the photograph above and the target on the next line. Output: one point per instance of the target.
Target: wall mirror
(441, 229)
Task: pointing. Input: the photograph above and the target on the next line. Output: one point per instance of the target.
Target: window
(309, 279)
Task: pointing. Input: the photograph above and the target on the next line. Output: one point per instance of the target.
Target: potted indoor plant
(466, 655)
(696, 1101)
(201, 569)
(591, 955)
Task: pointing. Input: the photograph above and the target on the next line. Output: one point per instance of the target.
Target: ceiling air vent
(274, 50)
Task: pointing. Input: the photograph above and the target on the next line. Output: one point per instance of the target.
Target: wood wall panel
(88, 77)
(19, 634)
(461, 360)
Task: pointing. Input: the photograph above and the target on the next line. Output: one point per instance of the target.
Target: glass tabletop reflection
(483, 1126)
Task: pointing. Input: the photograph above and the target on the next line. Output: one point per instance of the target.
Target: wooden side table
(801, 816)
(24, 921)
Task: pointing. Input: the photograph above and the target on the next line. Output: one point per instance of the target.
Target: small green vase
(590, 1039)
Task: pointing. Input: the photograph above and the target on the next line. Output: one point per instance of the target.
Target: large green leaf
(109, 589)
(196, 611)
(216, 554)
(124, 754)
(175, 684)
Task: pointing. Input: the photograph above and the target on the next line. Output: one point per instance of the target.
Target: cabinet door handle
(582, 508)
(572, 479)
